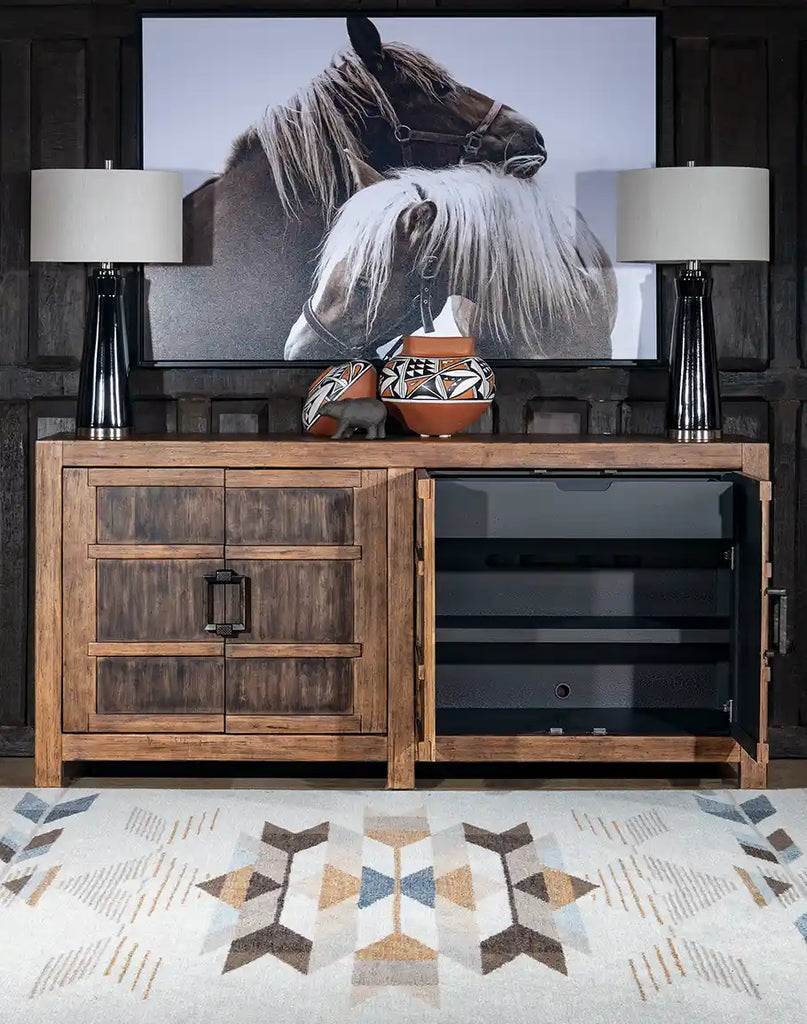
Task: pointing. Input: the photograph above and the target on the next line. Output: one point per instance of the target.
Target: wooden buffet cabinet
(282, 599)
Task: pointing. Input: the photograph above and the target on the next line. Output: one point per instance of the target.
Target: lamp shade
(106, 216)
(676, 214)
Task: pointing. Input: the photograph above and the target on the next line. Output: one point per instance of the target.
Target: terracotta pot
(440, 392)
(356, 379)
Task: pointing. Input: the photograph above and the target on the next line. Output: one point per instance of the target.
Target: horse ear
(366, 41)
(363, 174)
(416, 220)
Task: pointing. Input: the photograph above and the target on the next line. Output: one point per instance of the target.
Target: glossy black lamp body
(693, 406)
(104, 409)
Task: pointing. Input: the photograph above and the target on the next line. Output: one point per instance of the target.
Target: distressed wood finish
(370, 588)
(160, 686)
(294, 725)
(158, 747)
(152, 600)
(208, 478)
(289, 515)
(427, 695)
(156, 723)
(294, 650)
(587, 748)
(289, 686)
(78, 596)
(319, 552)
(400, 629)
(753, 774)
(160, 515)
(293, 478)
(211, 649)
(278, 613)
(48, 604)
(129, 552)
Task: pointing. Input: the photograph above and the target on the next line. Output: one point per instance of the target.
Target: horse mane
(498, 239)
(306, 139)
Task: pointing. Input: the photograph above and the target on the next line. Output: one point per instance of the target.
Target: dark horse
(252, 234)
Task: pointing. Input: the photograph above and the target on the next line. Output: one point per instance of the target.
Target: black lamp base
(104, 408)
(693, 405)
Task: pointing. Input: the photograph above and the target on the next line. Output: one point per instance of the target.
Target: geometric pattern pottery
(307, 907)
(356, 379)
(436, 395)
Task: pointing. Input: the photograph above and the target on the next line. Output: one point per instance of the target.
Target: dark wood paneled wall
(733, 89)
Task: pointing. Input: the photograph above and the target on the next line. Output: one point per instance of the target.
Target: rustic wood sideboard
(277, 600)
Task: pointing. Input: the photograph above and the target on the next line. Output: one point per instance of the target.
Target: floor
(785, 774)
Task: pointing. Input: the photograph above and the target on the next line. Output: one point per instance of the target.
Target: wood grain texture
(48, 615)
(157, 477)
(298, 602)
(160, 686)
(160, 515)
(479, 450)
(156, 723)
(370, 590)
(152, 551)
(587, 748)
(14, 598)
(400, 628)
(294, 725)
(289, 686)
(251, 650)
(757, 461)
(296, 479)
(315, 551)
(211, 649)
(155, 600)
(765, 492)
(427, 679)
(79, 600)
(156, 747)
(752, 774)
(289, 515)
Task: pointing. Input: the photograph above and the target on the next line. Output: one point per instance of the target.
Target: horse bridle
(471, 142)
(421, 303)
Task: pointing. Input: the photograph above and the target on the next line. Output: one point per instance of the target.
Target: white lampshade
(676, 214)
(106, 216)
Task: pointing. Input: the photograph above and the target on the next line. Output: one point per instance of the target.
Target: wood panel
(293, 478)
(152, 551)
(370, 589)
(427, 669)
(14, 634)
(156, 723)
(314, 551)
(168, 747)
(299, 602)
(293, 724)
(211, 649)
(289, 515)
(286, 686)
(160, 515)
(294, 650)
(160, 686)
(587, 748)
(48, 604)
(400, 628)
(157, 477)
(79, 600)
(153, 600)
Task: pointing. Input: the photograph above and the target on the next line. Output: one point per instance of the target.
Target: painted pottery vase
(437, 386)
(356, 379)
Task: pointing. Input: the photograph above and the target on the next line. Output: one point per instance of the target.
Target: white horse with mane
(541, 284)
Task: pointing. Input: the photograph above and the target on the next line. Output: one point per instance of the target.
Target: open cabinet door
(425, 697)
(749, 684)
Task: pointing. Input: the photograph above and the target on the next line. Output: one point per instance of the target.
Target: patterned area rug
(175, 906)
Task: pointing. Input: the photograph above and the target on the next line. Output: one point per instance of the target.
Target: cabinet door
(311, 545)
(137, 547)
(425, 694)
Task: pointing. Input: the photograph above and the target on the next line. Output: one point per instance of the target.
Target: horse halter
(471, 142)
(421, 303)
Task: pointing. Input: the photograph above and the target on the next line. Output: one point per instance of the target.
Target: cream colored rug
(236, 906)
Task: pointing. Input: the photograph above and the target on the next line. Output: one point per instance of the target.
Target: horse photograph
(349, 181)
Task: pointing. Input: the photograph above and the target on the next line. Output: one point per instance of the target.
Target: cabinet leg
(48, 774)
(753, 774)
(401, 768)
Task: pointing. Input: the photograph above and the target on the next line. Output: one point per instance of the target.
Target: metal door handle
(227, 577)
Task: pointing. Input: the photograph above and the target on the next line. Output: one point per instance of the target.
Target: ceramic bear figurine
(366, 413)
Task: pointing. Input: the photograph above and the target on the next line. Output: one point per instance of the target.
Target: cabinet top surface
(467, 451)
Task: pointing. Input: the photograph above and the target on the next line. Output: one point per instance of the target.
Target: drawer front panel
(289, 515)
(160, 515)
(160, 686)
(276, 686)
(153, 600)
(298, 601)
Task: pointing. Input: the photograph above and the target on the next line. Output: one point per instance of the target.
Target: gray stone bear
(366, 413)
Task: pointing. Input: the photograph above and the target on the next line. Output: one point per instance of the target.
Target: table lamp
(690, 215)
(105, 217)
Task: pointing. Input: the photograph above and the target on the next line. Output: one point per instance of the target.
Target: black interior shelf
(550, 629)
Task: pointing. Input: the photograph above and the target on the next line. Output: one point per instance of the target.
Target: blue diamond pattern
(801, 924)
(374, 887)
(758, 809)
(420, 886)
(719, 809)
(71, 807)
(31, 807)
